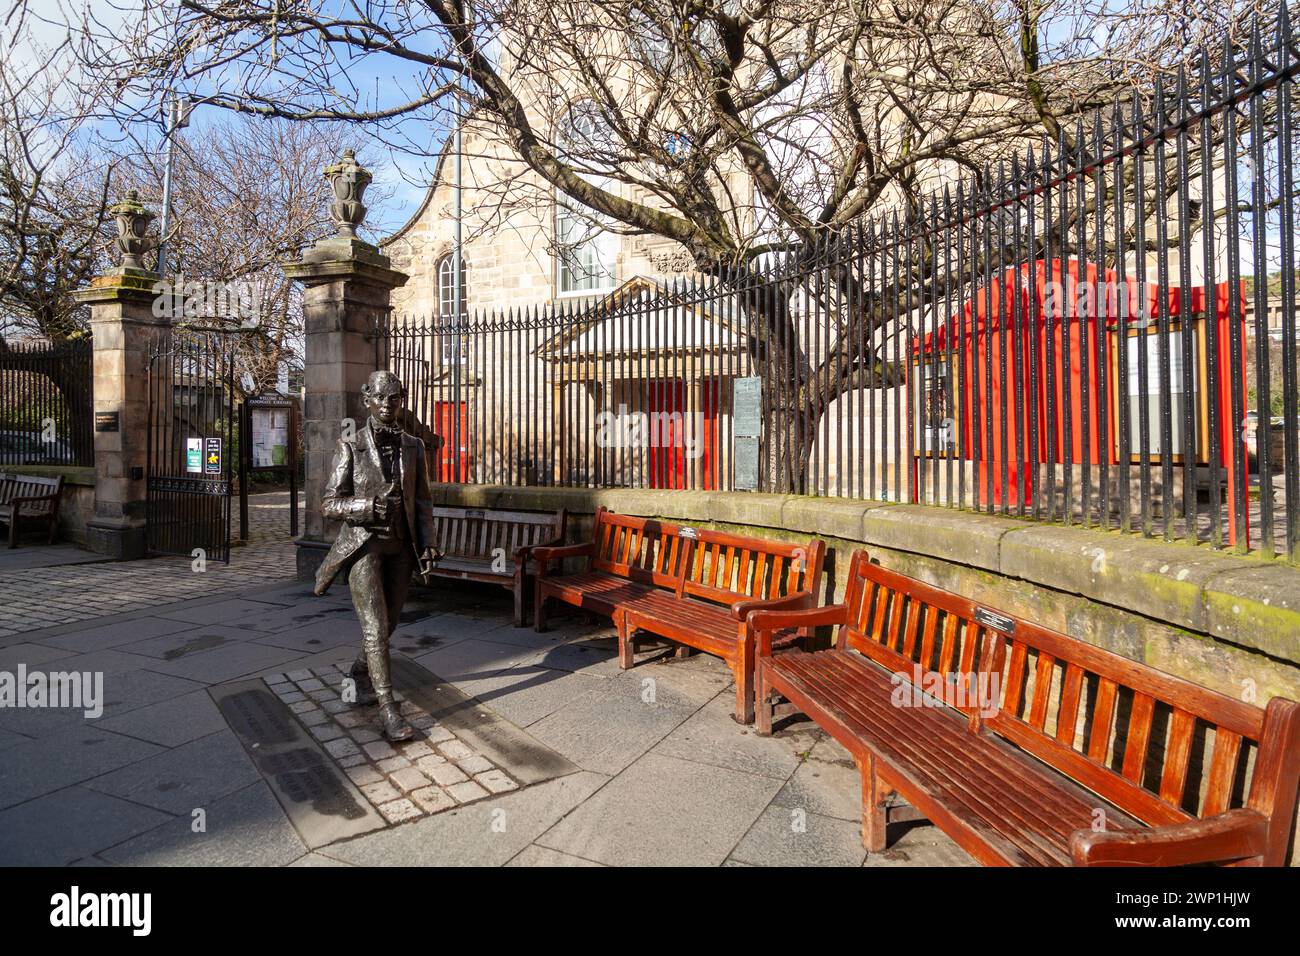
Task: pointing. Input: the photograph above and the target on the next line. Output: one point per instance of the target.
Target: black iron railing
(46, 403)
(1101, 331)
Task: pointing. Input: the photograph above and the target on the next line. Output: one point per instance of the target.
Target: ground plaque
(321, 802)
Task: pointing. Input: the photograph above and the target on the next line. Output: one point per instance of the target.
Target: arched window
(453, 343)
(447, 286)
(584, 250)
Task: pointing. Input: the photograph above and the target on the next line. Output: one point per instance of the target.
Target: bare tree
(246, 197)
(54, 184)
(735, 128)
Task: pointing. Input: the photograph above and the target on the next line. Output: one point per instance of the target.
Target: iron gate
(191, 435)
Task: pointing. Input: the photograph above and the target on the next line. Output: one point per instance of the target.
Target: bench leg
(539, 608)
(518, 590)
(763, 703)
(13, 531)
(626, 643)
(874, 815)
(682, 651)
(743, 670)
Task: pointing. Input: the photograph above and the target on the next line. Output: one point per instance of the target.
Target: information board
(747, 427)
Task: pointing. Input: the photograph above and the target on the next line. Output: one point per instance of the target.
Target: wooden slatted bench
(1072, 756)
(493, 546)
(27, 500)
(693, 586)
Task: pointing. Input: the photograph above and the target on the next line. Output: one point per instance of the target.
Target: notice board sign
(747, 426)
(194, 456)
(212, 456)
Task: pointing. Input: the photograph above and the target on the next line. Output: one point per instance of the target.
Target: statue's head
(383, 393)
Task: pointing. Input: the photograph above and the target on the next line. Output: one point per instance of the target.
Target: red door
(455, 440)
(670, 433)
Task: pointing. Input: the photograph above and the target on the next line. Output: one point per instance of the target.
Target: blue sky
(402, 172)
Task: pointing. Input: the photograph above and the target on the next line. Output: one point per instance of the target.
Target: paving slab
(314, 637)
(489, 832)
(245, 828)
(828, 789)
(608, 728)
(526, 694)
(193, 640)
(544, 856)
(471, 657)
(221, 612)
(170, 722)
(457, 625)
(226, 663)
(317, 859)
(664, 811)
(33, 655)
(784, 837)
(69, 756)
(127, 691)
(46, 556)
(919, 844)
(712, 736)
(102, 636)
(69, 825)
(183, 778)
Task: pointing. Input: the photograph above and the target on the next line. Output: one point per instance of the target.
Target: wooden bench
(493, 546)
(692, 586)
(27, 500)
(1074, 756)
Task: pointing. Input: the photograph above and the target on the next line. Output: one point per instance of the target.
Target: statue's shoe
(396, 727)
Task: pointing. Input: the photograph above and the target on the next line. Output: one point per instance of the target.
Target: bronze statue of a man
(379, 487)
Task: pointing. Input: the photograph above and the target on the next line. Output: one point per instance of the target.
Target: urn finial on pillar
(348, 179)
(132, 227)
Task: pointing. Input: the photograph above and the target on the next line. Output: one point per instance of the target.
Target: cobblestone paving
(431, 773)
(36, 598)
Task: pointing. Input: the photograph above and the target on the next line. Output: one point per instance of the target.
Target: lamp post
(177, 111)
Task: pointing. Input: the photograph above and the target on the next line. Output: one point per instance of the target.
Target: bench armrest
(800, 599)
(545, 555)
(523, 553)
(765, 623)
(1228, 836)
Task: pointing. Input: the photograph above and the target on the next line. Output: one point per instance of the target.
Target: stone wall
(77, 505)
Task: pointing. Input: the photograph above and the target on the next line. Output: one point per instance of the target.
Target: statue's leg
(369, 595)
(397, 578)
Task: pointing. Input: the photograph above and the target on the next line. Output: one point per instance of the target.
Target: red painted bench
(1076, 756)
(692, 586)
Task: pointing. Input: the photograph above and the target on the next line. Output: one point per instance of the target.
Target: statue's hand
(429, 559)
(379, 508)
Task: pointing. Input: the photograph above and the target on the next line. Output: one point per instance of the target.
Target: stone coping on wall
(1248, 601)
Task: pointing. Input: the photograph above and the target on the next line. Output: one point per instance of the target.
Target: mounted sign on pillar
(347, 284)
